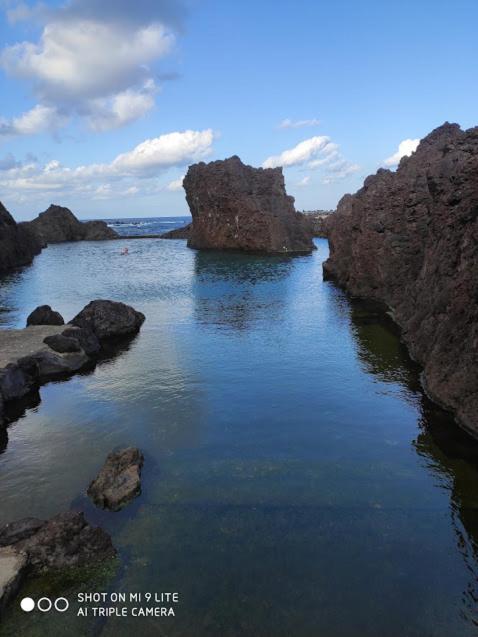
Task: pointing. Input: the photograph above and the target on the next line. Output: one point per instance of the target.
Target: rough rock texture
(63, 541)
(179, 233)
(238, 207)
(119, 480)
(14, 532)
(410, 239)
(318, 222)
(58, 224)
(44, 315)
(62, 344)
(109, 319)
(85, 337)
(18, 245)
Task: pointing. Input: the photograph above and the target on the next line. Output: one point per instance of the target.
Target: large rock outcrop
(18, 245)
(58, 224)
(238, 207)
(184, 232)
(410, 239)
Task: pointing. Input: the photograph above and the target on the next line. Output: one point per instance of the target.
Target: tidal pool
(297, 481)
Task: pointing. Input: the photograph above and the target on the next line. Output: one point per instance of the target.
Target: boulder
(18, 379)
(62, 344)
(58, 224)
(109, 319)
(63, 541)
(238, 207)
(85, 337)
(44, 315)
(409, 239)
(18, 245)
(119, 480)
(52, 365)
(184, 232)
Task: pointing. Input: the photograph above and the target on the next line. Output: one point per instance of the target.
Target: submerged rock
(58, 224)
(410, 240)
(119, 480)
(18, 245)
(109, 319)
(238, 207)
(14, 532)
(44, 315)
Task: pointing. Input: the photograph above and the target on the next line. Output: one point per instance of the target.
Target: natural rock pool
(296, 479)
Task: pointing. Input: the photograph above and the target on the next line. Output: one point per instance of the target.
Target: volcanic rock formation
(18, 245)
(58, 224)
(238, 207)
(410, 240)
(184, 232)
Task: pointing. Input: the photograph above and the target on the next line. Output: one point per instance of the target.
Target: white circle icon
(27, 604)
(44, 604)
(61, 604)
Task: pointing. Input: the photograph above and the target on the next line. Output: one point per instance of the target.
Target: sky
(105, 103)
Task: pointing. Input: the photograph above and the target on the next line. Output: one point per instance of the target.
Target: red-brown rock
(410, 239)
(238, 207)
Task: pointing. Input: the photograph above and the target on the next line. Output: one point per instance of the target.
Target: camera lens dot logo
(27, 604)
(61, 604)
(44, 604)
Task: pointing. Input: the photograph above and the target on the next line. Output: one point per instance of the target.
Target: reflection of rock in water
(229, 288)
(449, 452)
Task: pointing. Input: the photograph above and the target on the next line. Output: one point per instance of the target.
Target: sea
(297, 480)
(146, 225)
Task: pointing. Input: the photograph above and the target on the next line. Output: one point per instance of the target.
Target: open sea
(297, 481)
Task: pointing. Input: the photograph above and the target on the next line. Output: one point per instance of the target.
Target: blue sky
(106, 102)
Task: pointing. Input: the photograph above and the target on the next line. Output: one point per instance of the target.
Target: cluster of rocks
(20, 242)
(409, 239)
(42, 352)
(58, 224)
(238, 207)
(18, 245)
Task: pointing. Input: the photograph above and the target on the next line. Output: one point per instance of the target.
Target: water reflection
(448, 452)
(225, 288)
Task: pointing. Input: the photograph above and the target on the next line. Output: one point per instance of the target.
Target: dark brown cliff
(410, 239)
(58, 224)
(18, 245)
(238, 207)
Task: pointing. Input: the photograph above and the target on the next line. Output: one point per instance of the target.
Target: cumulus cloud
(405, 149)
(39, 119)
(315, 153)
(134, 172)
(95, 58)
(301, 123)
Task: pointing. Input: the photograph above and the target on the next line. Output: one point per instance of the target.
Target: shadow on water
(226, 286)
(449, 452)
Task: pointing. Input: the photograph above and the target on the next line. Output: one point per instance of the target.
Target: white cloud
(94, 59)
(405, 149)
(301, 123)
(300, 154)
(176, 184)
(39, 119)
(304, 181)
(136, 172)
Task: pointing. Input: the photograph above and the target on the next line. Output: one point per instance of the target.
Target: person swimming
(124, 251)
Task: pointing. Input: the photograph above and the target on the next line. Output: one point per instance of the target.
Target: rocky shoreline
(408, 239)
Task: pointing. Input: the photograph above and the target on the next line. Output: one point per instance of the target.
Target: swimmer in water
(125, 251)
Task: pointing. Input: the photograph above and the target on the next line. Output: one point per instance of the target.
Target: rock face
(410, 240)
(109, 319)
(238, 207)
(12, 569)
(18, 245)
(179, 233)
(58, 224)
(119, 480)
(44, 315)
(63, 541)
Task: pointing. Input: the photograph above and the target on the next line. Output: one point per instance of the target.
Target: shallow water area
(297, 481)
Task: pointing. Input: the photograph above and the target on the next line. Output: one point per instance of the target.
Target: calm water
(296, 482)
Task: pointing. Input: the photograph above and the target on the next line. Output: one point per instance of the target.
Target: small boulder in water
(85, 337)
(119, 480)
(62, 344)
(44, 315)
(109, 319)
